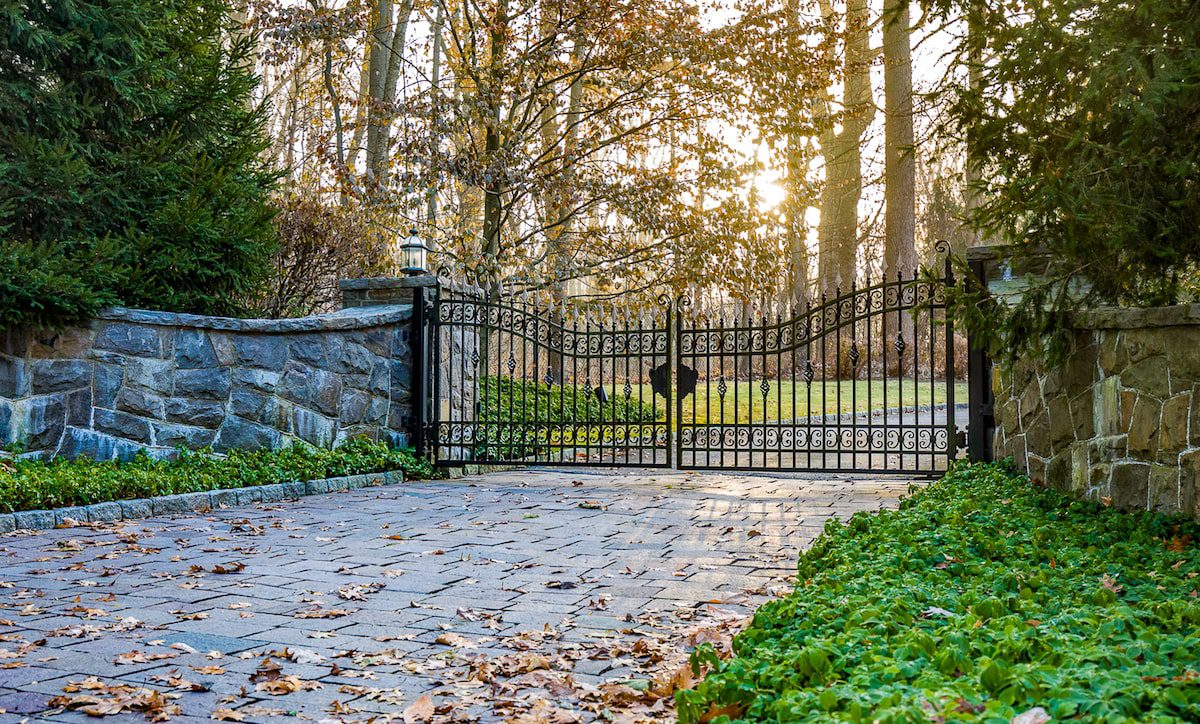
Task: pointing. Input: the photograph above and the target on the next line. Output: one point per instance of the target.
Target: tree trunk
(796, 203)
(378, 57)
(380, 156)
(494, 188)
(900, 175)
(435, 77)
(971, 175)
(838, 231)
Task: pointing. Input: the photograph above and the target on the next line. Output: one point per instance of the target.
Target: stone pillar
(449, 363)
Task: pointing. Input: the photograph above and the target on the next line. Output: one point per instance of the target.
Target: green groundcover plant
(981, 598)
(36, 485)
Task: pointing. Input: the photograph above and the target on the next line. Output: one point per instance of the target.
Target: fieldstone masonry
(1119, 420)
(136, 379)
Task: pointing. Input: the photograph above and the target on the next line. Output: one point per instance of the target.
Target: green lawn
(787, 400)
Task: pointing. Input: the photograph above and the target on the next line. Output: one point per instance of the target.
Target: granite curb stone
(34, 519)
(77, 513)
(199, 502)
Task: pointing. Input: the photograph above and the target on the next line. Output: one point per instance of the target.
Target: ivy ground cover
(35, 484)
(984, 597)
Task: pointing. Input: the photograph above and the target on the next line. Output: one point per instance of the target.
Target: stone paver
(517, 551)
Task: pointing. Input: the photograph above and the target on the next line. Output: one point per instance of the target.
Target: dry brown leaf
(358, 592)
(138, 657)
(420, 711)
(286, 685)
(268, 670)
(450, 638)
(319, 612)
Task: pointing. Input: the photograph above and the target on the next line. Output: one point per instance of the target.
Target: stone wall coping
(422, 280)
(426, 281)
(1180, 315)
(199, 502)
(354, 318)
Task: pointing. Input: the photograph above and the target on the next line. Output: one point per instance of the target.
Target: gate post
(981, 420)
(421, 367)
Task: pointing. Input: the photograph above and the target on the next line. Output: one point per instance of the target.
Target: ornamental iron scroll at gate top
(518, 382)
(860, 381)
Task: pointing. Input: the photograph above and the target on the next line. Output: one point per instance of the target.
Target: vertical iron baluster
(709, 417)
(612, 368)
(626, 327)
(580, 349)
(886, 370)
(932, 365)
(779, 384)
(853, 375)
(765, 390)
(721, 396)
(737, 412)
(641, 408)
(673, 372)
(561, 381)
(511, 365)
(696, 366)
(837, 370)
(587, 388)
(670, 430)
(951, 412)
(900, 363)
(793, 420)
(436, 413)
(464, 414)
(808, 372)
(869, 373)
(537, 321)
(824, 378)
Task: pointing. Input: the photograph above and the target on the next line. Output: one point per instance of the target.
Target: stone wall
(136, 379)
(1119, 420)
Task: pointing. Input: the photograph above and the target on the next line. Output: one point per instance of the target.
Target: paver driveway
(502, 596)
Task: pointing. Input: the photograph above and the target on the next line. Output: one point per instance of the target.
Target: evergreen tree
(130, 160)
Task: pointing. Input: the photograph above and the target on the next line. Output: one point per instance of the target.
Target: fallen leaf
(420, 711)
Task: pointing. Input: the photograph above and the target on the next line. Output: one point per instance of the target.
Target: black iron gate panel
(525, 383)
(863, 381)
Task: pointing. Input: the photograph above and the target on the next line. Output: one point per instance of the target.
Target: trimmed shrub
(36, 485)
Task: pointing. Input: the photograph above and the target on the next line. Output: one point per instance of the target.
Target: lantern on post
(413, 255)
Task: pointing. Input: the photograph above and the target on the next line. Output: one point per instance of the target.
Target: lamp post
(413, 255)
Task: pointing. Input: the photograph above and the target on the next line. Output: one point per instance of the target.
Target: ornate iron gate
(521, 383)
(862, 381)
